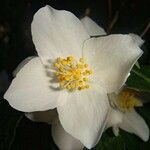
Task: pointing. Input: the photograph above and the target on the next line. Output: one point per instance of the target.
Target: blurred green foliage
(140, 78)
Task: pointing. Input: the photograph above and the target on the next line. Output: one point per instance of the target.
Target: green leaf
(140, 79)
(137, 65)
(110, 143)
(9, 120)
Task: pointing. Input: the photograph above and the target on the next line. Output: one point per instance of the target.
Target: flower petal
(30, 90)
(42, 116)
(115, 130)
(64, 140)
(20, 66)
(134, 123)
(57, 33)
(92, 27)
(114, 118)
(112, 58)
(137, 39)
(84, 114)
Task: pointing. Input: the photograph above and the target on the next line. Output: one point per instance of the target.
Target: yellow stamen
(127, 100)
(85, 65)
(70, 58)
(72, 75)
(82, 60)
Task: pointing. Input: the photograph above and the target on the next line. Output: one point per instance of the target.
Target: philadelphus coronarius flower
(124, 116)
(73, 73)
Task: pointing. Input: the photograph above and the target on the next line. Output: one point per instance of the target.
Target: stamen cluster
(127, 100)
(71, 74)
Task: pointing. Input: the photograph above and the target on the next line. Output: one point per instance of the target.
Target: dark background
(16, 44)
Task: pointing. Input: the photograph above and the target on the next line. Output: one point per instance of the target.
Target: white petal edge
(25, 61)
(42, 116)
(84, 114)
(57, 33)
(137, 39)
(134, 123)
(30, 90)
(111, 58)
(92, 27)
(62, 139)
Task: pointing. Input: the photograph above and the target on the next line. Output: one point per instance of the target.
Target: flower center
(126, 100)
(72, 74)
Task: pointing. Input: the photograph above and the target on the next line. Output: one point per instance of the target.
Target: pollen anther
(127, 101)
(72, 74)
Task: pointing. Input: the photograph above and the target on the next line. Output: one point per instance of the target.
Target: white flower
(124, 116)
(78, 89)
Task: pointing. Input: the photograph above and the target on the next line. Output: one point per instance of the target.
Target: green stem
(141, 75)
